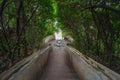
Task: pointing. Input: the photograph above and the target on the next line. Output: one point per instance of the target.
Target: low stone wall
(89, 69)
(69, 40)
(48, 39)
(29, 68)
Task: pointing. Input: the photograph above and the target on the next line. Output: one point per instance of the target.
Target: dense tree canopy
(94, 25)
(23, 25)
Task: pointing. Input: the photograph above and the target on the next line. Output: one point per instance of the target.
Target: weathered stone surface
(28, 68)
(89, 69)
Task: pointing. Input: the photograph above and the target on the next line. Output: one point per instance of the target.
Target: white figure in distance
(58, 37)
(58, 34)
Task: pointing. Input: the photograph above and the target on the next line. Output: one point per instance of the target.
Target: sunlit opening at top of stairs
(58, 34)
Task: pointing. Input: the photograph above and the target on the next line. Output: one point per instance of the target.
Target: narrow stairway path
(58, 67)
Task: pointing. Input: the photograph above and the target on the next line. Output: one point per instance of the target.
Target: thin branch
(24, 26)
(105, 7)
(2, 6)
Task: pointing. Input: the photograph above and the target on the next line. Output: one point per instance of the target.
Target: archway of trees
(94, 25)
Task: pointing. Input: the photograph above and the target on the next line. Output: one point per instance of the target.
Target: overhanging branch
(104, 7)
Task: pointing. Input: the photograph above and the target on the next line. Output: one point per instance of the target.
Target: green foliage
(94, 26)
(33, 21)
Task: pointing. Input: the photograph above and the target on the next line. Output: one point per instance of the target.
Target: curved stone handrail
(31, 67)
(23, 70)
(48, 39)
(88, 69)
(69, 39)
